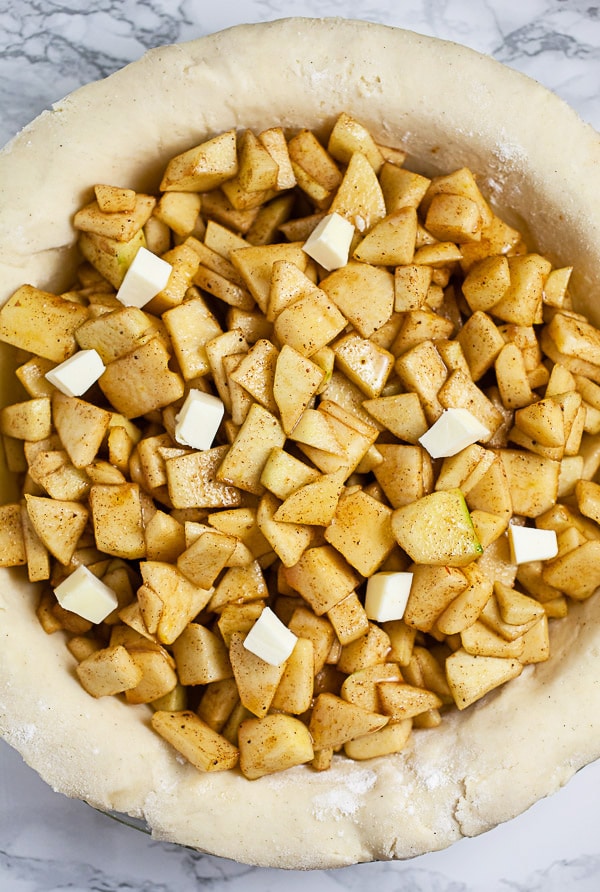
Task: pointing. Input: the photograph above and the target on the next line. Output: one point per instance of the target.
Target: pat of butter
(198, 420)
(454, 430)
(530, 544)
(147, 275)
(270, 639)
(387, 595)
(77, 373)
(329, 242)
(86, 595)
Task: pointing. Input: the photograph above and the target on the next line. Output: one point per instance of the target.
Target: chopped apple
(437, 529)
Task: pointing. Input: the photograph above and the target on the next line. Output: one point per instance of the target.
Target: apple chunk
(437, 530)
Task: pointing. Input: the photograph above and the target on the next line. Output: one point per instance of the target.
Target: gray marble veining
(48, 49)
(49, 843)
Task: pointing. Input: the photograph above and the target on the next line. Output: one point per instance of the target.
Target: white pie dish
(449, 107)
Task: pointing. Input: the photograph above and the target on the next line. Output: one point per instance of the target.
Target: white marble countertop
(50, 843)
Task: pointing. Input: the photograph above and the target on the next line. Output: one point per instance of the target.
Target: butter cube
(198, 420)
(454, 430)
(329, 242)
(147, 275)
(387, 595)
(86, 595)
(77, 373)
(270, 639)
(530, 544)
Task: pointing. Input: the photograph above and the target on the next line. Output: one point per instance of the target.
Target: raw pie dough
(450, 107)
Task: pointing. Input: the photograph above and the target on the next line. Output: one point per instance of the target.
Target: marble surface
(49, 843)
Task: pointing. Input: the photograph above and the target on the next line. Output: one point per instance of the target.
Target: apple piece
(437, 529)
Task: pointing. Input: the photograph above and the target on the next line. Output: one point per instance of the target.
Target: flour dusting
(344, 800)
(24, 734)
(434, 780)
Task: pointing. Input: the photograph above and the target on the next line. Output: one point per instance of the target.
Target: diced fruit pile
(308, 451)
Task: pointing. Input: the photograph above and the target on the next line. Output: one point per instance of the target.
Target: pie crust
(449, 107)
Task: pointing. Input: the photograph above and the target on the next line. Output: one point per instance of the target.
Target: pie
(448, 107)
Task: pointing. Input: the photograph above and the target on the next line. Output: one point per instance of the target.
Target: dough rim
(481, 767)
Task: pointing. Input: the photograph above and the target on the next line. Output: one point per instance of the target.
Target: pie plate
(539, 165)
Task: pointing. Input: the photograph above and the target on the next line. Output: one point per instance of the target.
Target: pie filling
(308, 450)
